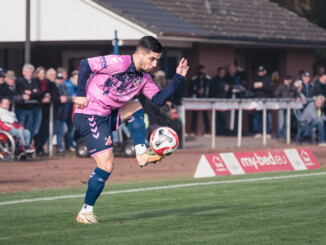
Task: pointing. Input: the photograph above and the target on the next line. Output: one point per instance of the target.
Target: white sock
(140, 148)
(86, 209)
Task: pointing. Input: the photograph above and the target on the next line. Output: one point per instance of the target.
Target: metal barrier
(239, 105)
(50, 120)
(215, 105)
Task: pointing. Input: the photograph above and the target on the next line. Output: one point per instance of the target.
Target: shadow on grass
(191, 211)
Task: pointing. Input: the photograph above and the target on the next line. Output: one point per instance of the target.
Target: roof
(245, 20)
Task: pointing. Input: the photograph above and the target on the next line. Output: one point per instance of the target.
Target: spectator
(9, 123)
(2, 78)
(320, 84)
(237, 90)
(70, 84)
(199, 86)
(39, 75)
(300, 95)
(8, 89)
(308, 88)
(262, 87)
(320, 70)
(218, 88)
(51, 93)
(232, 78)
(314, 117)
(284, 91)
(29, 115)
(60, 113)
(159, 79)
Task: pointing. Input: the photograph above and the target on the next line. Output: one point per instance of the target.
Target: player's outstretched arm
(83, 75)
(162, 96)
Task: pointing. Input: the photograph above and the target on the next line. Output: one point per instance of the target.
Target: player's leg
(96, 183)
(134, 113)
(97, 134)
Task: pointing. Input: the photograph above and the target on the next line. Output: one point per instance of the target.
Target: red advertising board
(256, 161)
(263, 161)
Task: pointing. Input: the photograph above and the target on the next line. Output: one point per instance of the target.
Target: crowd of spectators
(31, 95)
(232, 82)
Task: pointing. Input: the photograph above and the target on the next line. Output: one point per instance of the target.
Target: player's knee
(138, 106)
(107, 165)
(105, 161)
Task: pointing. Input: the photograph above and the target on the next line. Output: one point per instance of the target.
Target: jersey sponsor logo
(117, 59)
(137, 82)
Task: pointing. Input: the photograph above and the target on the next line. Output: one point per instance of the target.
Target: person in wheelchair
(313, 120)
(9, 123)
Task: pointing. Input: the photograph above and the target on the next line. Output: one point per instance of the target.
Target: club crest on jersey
(137, 82)
(108, 140)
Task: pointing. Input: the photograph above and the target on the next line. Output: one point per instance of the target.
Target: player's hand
(81, 102)
(183, 67)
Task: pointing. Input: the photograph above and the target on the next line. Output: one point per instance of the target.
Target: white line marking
(162, 188)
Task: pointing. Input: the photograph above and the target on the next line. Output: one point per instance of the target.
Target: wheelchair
(11, 148)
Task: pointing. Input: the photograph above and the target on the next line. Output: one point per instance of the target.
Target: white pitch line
(162, 188)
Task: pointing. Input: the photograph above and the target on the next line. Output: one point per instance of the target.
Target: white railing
(190, 104)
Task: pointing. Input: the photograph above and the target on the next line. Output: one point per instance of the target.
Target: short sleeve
(109, 64)
(150, 88)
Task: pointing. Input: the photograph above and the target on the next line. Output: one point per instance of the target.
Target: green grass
(279, 211)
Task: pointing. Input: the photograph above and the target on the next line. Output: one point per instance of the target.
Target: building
(209, 32)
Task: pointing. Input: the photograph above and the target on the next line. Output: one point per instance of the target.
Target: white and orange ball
(164, 141)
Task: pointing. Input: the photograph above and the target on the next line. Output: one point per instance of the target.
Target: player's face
(148, 61)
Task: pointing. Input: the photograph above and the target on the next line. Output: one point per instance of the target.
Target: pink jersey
(115, 81)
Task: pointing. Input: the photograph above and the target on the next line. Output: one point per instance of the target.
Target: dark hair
(74, 73)
(4, 98)
(220, 68)
(322, 74)
(149, 43)
(200, 67)
(301, 72)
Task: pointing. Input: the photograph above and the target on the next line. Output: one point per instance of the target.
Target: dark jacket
(216, 88)
(236, 85)
(197, 84)
(52, 89)
(10, 93)
(284, 91)
(311, 90)
(267, 90)
(21, 85)
(320, 89)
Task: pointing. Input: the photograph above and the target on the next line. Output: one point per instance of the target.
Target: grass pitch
(277, 210)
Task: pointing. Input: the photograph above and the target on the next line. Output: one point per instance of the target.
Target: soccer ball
(164, 141)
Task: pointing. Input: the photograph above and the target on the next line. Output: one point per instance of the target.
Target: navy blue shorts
(97, 130)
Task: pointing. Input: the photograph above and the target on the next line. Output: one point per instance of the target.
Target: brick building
(209, 32)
